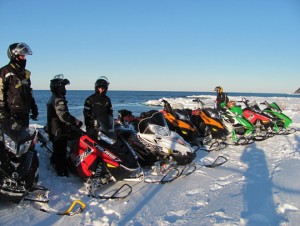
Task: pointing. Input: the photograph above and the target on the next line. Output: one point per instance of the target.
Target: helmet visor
(22, 49)
(66, 82)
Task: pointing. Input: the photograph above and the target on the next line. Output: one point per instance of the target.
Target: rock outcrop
(297, 91)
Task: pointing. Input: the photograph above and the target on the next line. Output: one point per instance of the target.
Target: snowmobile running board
(115, 194)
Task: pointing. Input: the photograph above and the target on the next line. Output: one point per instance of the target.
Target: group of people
(17, 105)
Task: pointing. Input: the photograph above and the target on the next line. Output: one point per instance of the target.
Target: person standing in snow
(222, 99)
(96, 105)
(59, 122)
(16, 98)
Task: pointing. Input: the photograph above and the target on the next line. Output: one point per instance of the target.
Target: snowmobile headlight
(10, 145)
(103, 137)
(159, 130)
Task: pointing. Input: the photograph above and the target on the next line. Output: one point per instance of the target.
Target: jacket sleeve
(33, 106)
(110, 110)
(87, 112)
(62, 111)
(2, 91)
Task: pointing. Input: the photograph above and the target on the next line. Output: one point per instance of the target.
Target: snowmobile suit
(221, 98)
(59, 122)
(16, 99)
(94, 106)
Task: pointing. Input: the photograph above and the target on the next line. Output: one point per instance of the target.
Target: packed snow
(258, 185)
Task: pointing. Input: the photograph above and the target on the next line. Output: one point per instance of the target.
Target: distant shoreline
(168, 91)
(195, 92)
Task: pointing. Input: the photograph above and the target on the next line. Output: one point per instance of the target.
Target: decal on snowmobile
(79, 159)
(108, 153)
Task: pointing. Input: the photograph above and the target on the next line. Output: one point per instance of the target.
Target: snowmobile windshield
(212, 113)
(182, 115)
(275, 106)
(107, 129)
(18, 143)
(254, 106)
(156, 124)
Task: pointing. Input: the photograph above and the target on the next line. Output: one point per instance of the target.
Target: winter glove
(12, 122)
(78, 123)
(34, 117)
(27, 73)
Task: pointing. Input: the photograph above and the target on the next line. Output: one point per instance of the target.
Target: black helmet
(58, 83)
(101, 82)
(17, 49)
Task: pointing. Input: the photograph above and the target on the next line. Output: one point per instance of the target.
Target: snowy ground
(259, 185)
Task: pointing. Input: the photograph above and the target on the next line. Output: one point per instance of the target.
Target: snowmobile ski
(39, 197)
(37, 194)
(215, 146)
(116, 194)
(220, 160)
(287, 131)
(171, 174)
(244, 141)
(44, 207)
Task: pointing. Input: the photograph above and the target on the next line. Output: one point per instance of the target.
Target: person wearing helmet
(96, 105)
(16, 98)
(59, 122)
(222, 99)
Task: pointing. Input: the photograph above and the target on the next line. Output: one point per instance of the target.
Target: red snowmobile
(264, 124)
(108, 158)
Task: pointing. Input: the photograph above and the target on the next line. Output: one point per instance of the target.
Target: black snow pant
(59, 158)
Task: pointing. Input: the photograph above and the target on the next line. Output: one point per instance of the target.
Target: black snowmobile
(19, 163)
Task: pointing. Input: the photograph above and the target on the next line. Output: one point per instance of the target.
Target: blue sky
(172, 45)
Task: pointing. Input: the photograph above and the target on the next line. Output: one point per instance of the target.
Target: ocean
(134, 101)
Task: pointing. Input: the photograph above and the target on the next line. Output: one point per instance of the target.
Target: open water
(134, 101)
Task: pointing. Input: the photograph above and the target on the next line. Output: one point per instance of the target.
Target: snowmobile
(109, 158)
(179, 121)
(241, 130)
(19, 168)
(274, 111)
(126, 119)
(265, 125)
(210, 126)
(154, 141)
(157, 146)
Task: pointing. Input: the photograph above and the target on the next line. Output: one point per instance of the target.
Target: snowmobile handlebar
(198, 100)
(200, 103)
(164, 101)
(265, 103)
(244, 100)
